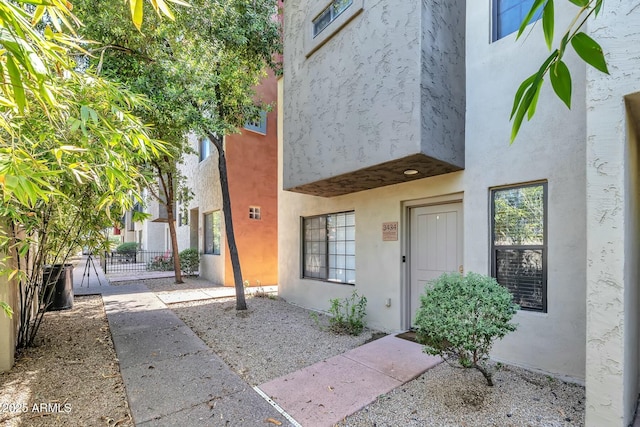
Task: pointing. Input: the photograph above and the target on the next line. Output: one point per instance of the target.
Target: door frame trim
(407, 205)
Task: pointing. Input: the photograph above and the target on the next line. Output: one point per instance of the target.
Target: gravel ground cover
(274, 338)
(71, 378)
(453, 397)
(270, 339)
(75, 364)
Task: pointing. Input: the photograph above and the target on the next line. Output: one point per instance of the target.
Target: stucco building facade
(252, 173)
(395, 166)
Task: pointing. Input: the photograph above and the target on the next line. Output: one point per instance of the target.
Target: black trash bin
(58, 280)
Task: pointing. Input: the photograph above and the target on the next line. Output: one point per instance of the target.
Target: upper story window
(508, 15)
(329, 247)
(519, 243)
(328, 15)
(205, 148)
(259, 126)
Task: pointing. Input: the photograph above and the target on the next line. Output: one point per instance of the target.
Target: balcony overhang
(380, 175)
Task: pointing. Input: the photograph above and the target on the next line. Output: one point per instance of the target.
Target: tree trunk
(485, 373)
(241, 304)
(169, 195)
(174, 243)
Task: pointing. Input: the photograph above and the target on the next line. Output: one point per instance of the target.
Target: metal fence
(137, 261)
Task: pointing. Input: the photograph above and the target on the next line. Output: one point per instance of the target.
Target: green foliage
(6, 309)
(161, 263)
(589, 50)
(189, 261)
(347, 315)
(127, 248)
(519, 215)
(461, 316)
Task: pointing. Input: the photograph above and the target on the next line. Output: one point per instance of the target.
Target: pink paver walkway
(326, 392)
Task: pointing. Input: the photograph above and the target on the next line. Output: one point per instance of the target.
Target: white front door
(436, 246)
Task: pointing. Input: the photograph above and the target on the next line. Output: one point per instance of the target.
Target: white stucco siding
(355, 101)
(612, 246)
(203, 179)
(550, 148)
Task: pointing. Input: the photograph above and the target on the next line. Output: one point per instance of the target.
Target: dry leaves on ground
(71, 378)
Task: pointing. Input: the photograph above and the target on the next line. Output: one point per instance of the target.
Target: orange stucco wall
(252, 163)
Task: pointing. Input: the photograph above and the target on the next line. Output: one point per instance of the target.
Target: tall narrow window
(205, 148)
(212, 234)
(328, 15)
(508, 15)
(519, 251)
(329, 247)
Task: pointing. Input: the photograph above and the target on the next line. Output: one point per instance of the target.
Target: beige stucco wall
(379, 267)
(612, 215)
(8, 327)
(551, 147)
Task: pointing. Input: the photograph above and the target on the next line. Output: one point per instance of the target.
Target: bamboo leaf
(598, 7)
(520, 92)
(37, 15)
(548, 20)
(136, 12)
(164, 8)
(561, 82)
(590, 51)
(6, 309)
(580, 3)
(16, 83)
(537, 4)
(534, 100)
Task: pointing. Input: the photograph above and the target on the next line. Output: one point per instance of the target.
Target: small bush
(128, 248)
(161, 263)
(460, 317)
(348, 314)
(189, 261)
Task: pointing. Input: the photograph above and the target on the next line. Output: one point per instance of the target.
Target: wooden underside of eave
(381, 175)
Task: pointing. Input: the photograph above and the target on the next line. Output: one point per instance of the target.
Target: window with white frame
(204, 148)
(254, 212)
(509, 14)
(519, 243)
(212, 233)
(258, 126)
(329, 247)
(330, 14)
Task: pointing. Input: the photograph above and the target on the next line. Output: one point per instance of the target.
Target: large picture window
(212, 234)
(508, 15)
(518, 243)
(329, 247)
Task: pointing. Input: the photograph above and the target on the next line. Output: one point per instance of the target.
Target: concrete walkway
(325, 393)
(171, 376)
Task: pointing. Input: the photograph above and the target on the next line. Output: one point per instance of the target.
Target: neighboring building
(396, 167)
(252, 172)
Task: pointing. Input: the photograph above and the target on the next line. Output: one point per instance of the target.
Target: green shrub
(127, 248)
(348, 314)
(161, 263)
(461, 316)
(189, 261)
